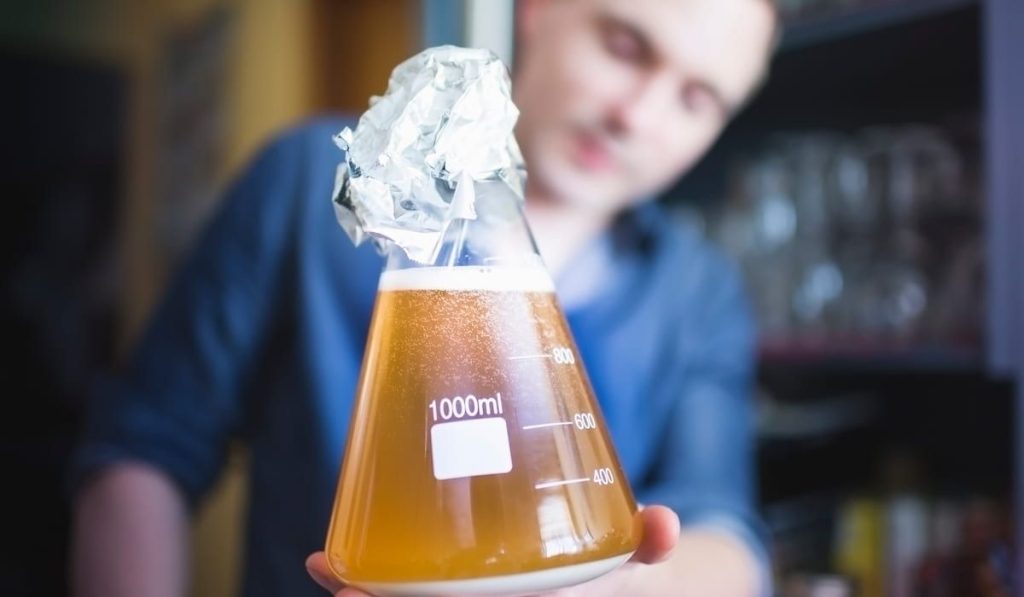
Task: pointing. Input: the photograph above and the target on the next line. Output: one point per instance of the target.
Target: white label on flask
(470, 448)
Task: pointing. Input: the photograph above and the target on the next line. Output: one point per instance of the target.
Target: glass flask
(477, 460)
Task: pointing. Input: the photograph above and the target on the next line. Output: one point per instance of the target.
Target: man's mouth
(592, 153)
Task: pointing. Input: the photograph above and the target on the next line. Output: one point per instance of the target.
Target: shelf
(871, 356)
(894, 64)
(913, 70)
(819, 29)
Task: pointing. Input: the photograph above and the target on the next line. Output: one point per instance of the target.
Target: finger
(316, 565)
(661, 533)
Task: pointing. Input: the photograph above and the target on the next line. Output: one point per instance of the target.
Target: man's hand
(661, 532)
(131, 534)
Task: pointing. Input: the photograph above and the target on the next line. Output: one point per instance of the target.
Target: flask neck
(498, 236)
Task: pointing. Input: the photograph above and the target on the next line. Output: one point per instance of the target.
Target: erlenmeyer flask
(477, 460)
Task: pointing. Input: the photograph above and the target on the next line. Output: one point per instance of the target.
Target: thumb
(661, 533)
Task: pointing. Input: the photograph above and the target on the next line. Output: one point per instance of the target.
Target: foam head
(469, 278)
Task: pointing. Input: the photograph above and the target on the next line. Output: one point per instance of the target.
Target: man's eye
(622, 45)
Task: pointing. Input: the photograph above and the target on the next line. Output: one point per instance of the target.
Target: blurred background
(872, 193)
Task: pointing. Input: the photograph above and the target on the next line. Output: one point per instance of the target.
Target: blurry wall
(207, 83)
(282, 62)
(355, 46)
(267, 85)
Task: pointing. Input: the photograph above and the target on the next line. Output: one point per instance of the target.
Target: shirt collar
(631, 238)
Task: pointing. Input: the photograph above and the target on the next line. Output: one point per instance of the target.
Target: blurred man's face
(619, 98)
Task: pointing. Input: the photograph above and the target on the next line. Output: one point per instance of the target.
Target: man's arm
(156, 433)
(705, 469)
(130, 535)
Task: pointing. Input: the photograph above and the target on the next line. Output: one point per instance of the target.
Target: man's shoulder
(314, 134)
(299, 153)
(687, 251)
(320, 126)
(704, 289)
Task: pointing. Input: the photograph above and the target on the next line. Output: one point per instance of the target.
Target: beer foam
(469, 278)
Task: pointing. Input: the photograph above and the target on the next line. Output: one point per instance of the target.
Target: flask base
(509, 585)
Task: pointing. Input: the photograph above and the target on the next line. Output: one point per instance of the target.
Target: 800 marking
(563, 355)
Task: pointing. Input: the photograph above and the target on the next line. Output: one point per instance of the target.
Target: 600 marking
(584, 421)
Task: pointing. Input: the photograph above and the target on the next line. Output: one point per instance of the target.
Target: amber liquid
(393, 521)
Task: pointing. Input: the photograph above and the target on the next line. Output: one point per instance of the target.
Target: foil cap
(419, 154)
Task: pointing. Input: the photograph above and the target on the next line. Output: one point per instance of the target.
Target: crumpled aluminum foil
(444, 125)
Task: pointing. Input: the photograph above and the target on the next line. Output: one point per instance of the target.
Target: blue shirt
(261, 335)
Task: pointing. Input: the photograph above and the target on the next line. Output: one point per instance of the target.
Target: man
(261, 334)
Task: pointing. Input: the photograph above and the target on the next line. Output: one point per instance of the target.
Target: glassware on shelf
(871, 236)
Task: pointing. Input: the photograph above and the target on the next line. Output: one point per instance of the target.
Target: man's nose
(647, 105)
